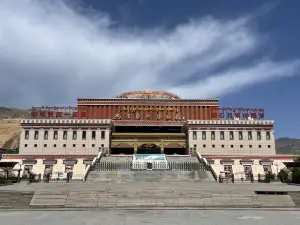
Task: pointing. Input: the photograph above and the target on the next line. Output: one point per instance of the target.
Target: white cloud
(51, 54)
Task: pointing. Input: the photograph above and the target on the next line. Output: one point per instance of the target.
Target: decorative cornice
(230, 122)
(83, 101)
(147, 122)
(272, 157)
(65, 121)
(43, 157)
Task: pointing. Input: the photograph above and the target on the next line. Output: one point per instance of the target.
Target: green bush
(296, 175)
(269, 176)
(283, 175)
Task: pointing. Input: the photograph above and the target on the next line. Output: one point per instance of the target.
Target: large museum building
(147, 122)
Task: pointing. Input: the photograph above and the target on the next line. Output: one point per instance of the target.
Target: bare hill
(11, 113)
(9, 134)
(288, 146)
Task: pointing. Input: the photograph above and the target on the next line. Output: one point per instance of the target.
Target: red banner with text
(229, 113)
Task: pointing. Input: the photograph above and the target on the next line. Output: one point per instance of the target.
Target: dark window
(74, 145)
(102, 145)
(194, 135)
(268, 137)
(54, 145)
(222, 146)
(93, 145)
(222, 136)
(36, 135)
(213, 135)
(65, 135)
(231, 135)
(231, 146)
(25, 145)
(195, 146)
(45, 135)
(83, 145)
(213, 146)
(64, 145)
(258, 135)
(55, 135)
(249, 135)
(35, 145)
(269, 146)
(102, 134)
(26, 134)
(74, 135)
(83, 135)
(240, 135)
(45, 145)
(241, 146)
(203, 135)
(259, 146)
(204, 146)
(93, 134)
(250, 146)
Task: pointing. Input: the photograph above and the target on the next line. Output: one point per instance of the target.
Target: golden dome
(148, 95)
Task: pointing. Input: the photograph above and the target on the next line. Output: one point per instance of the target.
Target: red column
(109, 116)
(103, 112)
(89, 112)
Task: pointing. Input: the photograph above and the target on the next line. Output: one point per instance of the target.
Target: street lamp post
(276, 164)
(19, 171)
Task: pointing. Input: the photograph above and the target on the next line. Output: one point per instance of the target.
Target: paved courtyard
(138, 217)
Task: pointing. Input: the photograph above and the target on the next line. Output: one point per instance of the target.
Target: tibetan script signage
(55, 112)
(238, 113)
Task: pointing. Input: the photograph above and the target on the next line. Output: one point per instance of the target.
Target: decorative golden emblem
(137, 115)
(128, 116)
(178, 116)
(117, 116)
(148, 117)
(168, 117)
(159, 116)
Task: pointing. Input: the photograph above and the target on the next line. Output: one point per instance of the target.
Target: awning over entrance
(29, 161)
(227, 161)
(246, 161)
(49, 161)
(70, 162)
(267, 162)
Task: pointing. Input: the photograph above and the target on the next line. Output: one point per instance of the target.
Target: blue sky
(246, 53)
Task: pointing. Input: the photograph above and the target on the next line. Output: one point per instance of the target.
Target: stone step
(295, 197)
(15, 199)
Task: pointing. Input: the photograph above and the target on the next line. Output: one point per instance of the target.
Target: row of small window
(231, 135)
(64, 145)
(65, 135)
(231, 146)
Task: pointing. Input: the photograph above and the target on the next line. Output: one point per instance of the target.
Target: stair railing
(89, 167)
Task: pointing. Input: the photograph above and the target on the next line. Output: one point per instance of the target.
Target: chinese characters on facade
(56, 112)
(240, 113)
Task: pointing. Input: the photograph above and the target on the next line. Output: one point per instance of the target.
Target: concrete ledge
(142, 209)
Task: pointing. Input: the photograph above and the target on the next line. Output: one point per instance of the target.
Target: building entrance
(148, 151)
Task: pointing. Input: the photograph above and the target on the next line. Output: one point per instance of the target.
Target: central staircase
(118, 169)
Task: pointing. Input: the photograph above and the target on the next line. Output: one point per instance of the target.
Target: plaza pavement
(140, 217)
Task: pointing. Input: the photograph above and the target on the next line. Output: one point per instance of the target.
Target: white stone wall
(235, 147)
(60, 146)
(39, 168)
(257, 168)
